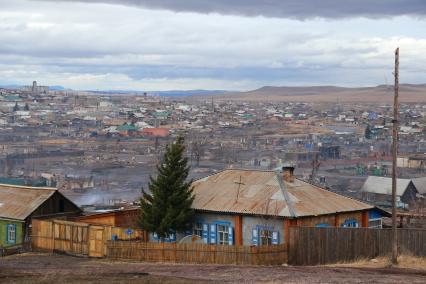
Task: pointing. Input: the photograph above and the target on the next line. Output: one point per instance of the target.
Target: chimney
(288, 175)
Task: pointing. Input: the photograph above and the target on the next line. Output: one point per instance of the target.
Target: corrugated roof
(259, 193)
(383, 185)
(18, 202)
(420, 184)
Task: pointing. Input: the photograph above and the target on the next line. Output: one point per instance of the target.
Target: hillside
(380, 94)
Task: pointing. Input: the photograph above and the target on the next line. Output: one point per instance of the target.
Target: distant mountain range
(410, 93)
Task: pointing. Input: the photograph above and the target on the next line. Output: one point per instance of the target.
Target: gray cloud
(295, 9)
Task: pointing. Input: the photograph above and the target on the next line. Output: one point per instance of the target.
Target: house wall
(250, 223)
(107, 219)
(313, 221)
(342, 217)
(332, 220)
(409, 196)
(280, 225)
(3, 233)
(125, 218)
(52, 206)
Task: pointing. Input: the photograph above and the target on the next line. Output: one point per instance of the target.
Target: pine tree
(16, 107)
(167, 210)
(367, 133)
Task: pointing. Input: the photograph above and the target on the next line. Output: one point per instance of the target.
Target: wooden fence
(76, 238)
(197, 253)
(312, 246)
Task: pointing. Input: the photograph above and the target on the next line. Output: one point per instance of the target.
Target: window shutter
(275, 237)
(231, 235)
(7, 233)
(206, 233)
(14, 233)
(254, 237)
(212, 233)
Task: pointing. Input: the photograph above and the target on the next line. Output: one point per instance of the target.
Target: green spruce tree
(167, 209)
(367, 133)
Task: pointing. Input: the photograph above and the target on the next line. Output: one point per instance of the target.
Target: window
(265, 237)
(198, 229)
(350, 224)
(11, 233)
(222, 234)
(375, 223)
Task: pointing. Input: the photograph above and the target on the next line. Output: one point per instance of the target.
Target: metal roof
(420, 184)
(259, 192)
(383, 185)
(18, 202)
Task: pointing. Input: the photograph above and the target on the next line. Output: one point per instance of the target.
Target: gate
(76, 238)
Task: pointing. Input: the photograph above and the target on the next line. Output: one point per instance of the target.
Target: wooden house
(256, 207)
(20, 204)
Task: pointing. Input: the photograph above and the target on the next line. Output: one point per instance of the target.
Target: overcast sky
(205, 44)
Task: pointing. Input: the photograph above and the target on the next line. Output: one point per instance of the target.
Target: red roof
(158, 132)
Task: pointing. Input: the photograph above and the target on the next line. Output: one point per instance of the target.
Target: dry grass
(404, 261)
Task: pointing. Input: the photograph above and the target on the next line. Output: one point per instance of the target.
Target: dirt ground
(48, 268)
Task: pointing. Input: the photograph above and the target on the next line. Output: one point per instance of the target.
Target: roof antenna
(238, 190)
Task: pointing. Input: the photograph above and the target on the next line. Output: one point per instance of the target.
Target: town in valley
(210, 142)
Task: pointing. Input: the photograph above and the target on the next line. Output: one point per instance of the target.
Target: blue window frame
(220, 232)
(170, 239)
(265, 235)
(11, 233)
(212, 233)
(350, 223)
(206, 233)
(198, 229)
(322, 225)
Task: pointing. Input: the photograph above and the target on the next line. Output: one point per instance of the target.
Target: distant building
(156, 132)
(35, 89)
(416, 161)
(378, 190)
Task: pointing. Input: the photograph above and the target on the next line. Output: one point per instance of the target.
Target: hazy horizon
(187, 45)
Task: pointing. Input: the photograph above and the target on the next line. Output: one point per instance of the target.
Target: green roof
(126, 127)
(12, 98)
(22, 182)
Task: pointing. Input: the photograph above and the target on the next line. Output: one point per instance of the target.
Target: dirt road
(47, 268)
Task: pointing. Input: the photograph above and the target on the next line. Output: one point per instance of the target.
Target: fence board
(76, 238)
(312, 245)
(197, 253)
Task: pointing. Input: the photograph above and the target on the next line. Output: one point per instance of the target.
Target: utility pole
(394, 154)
